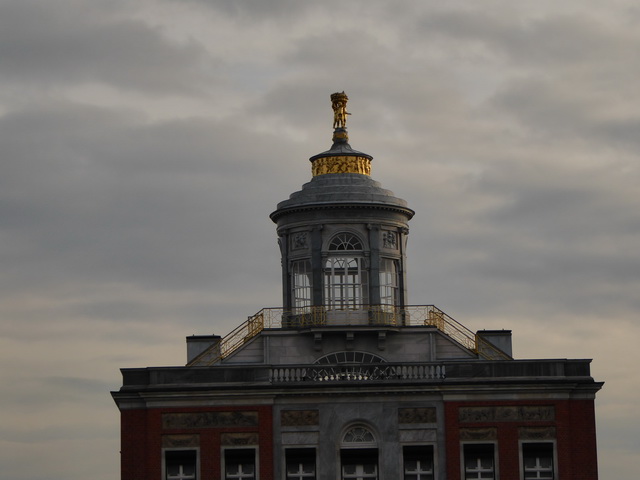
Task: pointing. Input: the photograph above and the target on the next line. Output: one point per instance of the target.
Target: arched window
(345, 274)
(359, 454)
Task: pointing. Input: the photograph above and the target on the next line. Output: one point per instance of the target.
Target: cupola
(342, 239)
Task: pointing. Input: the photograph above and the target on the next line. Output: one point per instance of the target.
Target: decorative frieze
(299, 241)
(299, 418)
(341, 164)
(537, 433)
(474, 434)
(209, 420)
(180, 441)
(523, 413)
(389, 240)
(417, 415)
(236, 439)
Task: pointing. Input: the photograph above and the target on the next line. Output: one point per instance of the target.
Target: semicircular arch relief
(351, 366)
(349, 357)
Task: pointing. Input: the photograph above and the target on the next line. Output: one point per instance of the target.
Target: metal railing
(371, 315)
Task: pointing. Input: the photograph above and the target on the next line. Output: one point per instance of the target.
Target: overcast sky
(144, 143)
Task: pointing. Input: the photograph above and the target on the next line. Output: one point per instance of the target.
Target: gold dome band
(341, 164)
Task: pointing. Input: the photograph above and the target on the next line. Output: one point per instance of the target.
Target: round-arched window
(359, 454)
(346, 279)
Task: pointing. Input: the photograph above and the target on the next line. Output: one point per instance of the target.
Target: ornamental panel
(526, 413)
(417, 415)
(209, 420)
(537, 433)
(299, 418)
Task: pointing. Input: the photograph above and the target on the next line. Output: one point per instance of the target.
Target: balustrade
(356, 373)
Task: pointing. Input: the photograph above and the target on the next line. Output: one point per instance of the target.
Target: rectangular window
(301, 464)
(537, 461)
(301, 285)
(418, 462)
(479, 462)
(359, 464)
(240, 464)
(388, 282)
(180, 464)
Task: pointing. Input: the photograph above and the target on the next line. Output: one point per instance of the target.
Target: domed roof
(346, 190)
(341, 177)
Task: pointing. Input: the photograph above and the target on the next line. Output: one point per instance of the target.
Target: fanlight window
(345, 241)
(358, 435)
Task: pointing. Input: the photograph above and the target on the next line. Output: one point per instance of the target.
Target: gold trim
(341, 164)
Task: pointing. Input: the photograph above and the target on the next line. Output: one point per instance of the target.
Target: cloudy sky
(144, 143)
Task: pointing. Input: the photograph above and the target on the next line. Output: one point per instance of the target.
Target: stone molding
(537, 433)
(488, 433)
(180, 441)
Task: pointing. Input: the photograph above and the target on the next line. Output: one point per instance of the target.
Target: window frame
(429, 446)
(223, 460)
(358, 439)
(463, 465)
(346, 281)
(363, 452)
(345, 272)
(301, 291)
(388, 277)
(300, 450)
(550, 443)
(196, 450)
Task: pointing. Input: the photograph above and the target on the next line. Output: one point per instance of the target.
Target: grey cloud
(558, 40)
(122, 234)
(563, 112)
(137, 206)
(45, 44)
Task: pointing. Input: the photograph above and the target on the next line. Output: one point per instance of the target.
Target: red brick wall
(133, 445)
(141, 442)
(575, 438)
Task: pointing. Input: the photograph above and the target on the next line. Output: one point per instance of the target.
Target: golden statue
(339, 105)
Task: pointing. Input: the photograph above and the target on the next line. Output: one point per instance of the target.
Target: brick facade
(571, 428)
(146, 434)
